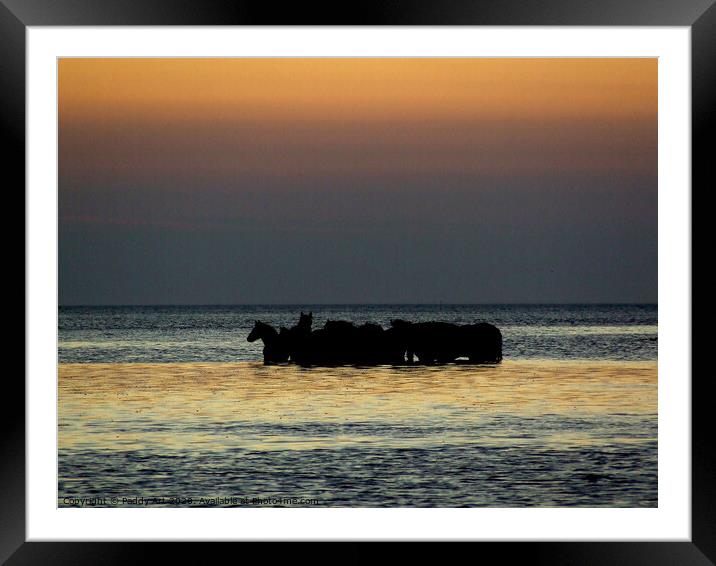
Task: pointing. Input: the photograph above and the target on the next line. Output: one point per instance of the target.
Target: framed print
(421, 276)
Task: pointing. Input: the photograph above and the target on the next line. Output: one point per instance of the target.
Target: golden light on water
(191, 406)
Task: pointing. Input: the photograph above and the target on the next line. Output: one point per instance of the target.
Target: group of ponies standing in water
(343, 343)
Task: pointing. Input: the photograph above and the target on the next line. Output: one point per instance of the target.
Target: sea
(170, 406)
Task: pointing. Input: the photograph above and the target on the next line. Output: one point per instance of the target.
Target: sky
(304, 181)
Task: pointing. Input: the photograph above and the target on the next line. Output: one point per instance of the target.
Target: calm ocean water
(218, 333)
(171, 406)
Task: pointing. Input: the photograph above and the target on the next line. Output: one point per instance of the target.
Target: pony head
(258, 331)
(305, 321)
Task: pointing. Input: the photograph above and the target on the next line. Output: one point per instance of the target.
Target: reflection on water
(522, 433)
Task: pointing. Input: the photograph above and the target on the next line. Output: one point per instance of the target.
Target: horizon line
(352, 304)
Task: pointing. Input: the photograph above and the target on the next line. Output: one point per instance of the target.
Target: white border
(670, 521)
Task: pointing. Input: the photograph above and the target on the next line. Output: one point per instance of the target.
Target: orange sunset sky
(428, 111)
(494, 157)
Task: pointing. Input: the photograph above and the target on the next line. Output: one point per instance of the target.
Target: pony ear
(301, 313)
(310, 313)
(257, 321)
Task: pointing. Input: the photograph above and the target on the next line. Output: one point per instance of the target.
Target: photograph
(342, 282)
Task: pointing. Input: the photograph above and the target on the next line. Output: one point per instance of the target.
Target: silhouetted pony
(342, 343)
(299, 335)
(378, 346)
(305, 321)
(443, 342)
(276, 344)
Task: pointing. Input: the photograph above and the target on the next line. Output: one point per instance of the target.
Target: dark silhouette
(305, 321)
(299, 335)
(329, 345)
(341, 342)
(443, 342)
(276, 344)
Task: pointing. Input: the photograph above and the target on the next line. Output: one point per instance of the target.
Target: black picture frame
(17, 15)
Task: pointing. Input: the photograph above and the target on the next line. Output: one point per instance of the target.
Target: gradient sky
(206, 181)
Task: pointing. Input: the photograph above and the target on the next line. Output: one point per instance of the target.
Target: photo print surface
(339, 282)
